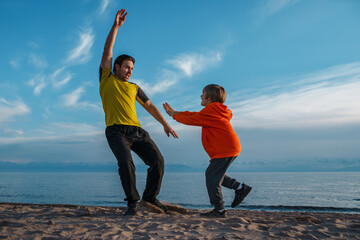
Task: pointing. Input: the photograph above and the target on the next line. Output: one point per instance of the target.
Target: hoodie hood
(221, 109)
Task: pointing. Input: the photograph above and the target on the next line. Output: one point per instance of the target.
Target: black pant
(122, 139)
(215, 178)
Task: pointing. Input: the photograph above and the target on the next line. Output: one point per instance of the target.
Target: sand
(49, 221)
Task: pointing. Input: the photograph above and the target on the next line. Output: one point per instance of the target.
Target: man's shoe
(157, 203)
(240, 195)
(132, 209)
(214, 214)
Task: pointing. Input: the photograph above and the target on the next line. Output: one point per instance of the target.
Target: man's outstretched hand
(168, 130)
(120, 18)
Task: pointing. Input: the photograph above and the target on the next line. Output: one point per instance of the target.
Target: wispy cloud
(34, 44)
(191, 64)
(324, 98)
(167, 80)
(37, 61)
(59, 131)
(81, 53)
(16, 132)
(69, 129)
(64, 81)
(271, 7)
(72, 99)
(14, 63)
(186, 66)
(10, 109)
(103, 6)
(38, 82)
(60, 78)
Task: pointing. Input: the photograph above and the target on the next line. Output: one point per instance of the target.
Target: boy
(220, 142)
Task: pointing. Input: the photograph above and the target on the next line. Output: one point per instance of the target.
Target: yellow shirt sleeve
(104, 73)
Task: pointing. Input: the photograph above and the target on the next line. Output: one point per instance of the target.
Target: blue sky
(291, 70)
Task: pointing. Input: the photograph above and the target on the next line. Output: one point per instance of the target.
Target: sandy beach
(53, 221)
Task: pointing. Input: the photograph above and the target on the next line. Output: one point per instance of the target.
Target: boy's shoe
(240, 195)
(132, 209)
(214, 214)
(157, 203)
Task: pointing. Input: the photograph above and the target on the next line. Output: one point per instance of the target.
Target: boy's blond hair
(215, 92)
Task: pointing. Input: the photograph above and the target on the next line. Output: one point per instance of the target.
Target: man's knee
(125, 163)
(159, 163)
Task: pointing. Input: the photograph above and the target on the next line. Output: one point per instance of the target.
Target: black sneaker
(132, 209)
(157, 203)
(214, 214)
(240, 195)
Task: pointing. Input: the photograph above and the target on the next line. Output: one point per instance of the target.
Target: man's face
(124, 72)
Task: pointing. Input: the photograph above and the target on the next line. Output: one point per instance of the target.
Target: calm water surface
(333, 192)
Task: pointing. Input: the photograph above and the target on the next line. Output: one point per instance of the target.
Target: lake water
(327, 192)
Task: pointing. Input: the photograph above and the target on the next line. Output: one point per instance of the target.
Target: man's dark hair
(119, 60)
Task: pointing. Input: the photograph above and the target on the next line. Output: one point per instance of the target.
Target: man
(123, 130)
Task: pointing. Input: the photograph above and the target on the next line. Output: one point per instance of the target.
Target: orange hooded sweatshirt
(218, 136)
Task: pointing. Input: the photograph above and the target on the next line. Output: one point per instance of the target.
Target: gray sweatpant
(215, 178)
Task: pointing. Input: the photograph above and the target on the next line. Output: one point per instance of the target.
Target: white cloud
(38, 82)
(14, 63)
(39, 88)
(81, 53)
(167, 80)
(10, 110)
(17, 132)
(63, 131)
(59, 78)
(69, 128)
(37, 61)
(188, 64)
(271, 7)
(191, 64)
(64, 81)
(33, 44)
(325, 98)
(72, 99)
(103, 6)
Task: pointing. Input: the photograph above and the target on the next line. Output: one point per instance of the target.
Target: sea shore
(54, 221)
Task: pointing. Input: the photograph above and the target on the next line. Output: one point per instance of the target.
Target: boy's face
(204, 101)
(124, 72)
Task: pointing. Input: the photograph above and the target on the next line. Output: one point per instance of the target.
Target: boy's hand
(120, 18)
(169, 110)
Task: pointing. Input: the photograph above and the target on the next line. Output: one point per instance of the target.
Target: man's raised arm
(106, 60)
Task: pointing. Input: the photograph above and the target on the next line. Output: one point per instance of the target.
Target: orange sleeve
(187, 113)
(191, 118)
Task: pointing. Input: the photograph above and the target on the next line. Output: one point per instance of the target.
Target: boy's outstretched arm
(169, 110)
(188, 118)
(152, 109)
(106, 60)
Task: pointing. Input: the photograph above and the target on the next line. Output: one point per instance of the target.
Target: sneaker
(132, 209)
(240, 195)
(214, 214)
(157, 203)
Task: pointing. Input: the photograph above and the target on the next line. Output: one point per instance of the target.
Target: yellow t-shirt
(118, 99)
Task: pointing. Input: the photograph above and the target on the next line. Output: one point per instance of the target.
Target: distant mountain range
(82, 167)
(316, 166)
